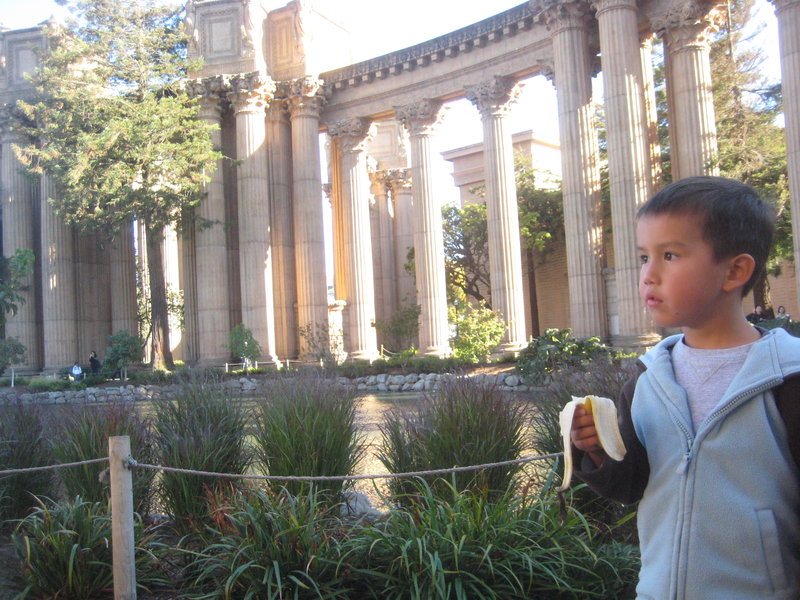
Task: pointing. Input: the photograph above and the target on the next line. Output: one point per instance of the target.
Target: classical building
(272, 79)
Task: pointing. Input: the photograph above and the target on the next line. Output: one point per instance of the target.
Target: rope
(131, 463)
(51, 467)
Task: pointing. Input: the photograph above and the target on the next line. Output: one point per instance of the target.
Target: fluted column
(494, 98)
(628, 156)
(17, 198)
(59, 296)
(305, 104)
(693, 130)
(279, 144)
(351, 136)
(569, 23)
(651, 112)
(788, 13)
(386, 300)
(212, 298)
(249, 96)
(399, 182)
(420, 119)
(123, 282)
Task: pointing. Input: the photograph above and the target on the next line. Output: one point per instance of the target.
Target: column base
(369, 355)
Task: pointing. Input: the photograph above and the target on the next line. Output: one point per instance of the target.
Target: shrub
(43, 384)
(307, 426)
(81, 433)
(12, 352)
(791, 327)
(271, 546)
(401, 329)
(22, 445)
(242, 344)
(557, 349)
(66, 552)
(123, 350)
(202, 429)
(477, 332)
(516, 547)
(463, 424)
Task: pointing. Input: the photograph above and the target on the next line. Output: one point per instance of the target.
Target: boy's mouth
(651, 301)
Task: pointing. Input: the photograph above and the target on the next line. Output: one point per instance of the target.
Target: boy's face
(680, 281)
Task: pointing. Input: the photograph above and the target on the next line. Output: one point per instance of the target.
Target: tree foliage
(13, 270)
(116, 132)
(123, 350)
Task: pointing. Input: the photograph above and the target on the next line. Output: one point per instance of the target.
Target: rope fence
(121, 465)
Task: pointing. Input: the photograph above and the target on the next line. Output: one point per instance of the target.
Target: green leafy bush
(12, 352)
(557, 349)
(516, 547)
(22, 445)
(243, 345)
(477, 332)
(65, 552)
(463, 424)
(81, 433)
(123, 351)
(45, 384)
(791, 327)
(271, 546)
(202, 429)
(307, 426)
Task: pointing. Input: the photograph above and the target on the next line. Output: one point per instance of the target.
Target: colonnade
(258, 255)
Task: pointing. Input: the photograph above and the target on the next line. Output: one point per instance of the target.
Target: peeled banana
(605, 421)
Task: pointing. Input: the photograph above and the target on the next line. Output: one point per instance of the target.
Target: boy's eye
(643, 258)
(668, 256)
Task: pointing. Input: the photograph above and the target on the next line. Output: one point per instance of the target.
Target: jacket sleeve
(787, 399)
(623, 480)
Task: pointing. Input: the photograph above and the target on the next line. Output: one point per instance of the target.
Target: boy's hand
(584, 435)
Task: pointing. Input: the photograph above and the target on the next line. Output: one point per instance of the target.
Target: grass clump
(271, 545)
(202, 429)
(462, 424)
(65, 552)
(81, 433)
(307, 426)
(464, 547)
(22, 445)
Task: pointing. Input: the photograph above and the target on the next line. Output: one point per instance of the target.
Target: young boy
(711, 422)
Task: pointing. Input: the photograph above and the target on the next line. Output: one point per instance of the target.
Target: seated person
(757, 315)
(76, 372)
(782, 314)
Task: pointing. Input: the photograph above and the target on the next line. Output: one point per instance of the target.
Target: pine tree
(114, 129)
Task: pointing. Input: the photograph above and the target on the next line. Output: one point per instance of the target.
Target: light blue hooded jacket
(719, 517)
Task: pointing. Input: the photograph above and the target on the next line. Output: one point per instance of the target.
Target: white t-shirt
(706, 374)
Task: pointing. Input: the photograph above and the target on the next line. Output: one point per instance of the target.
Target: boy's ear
(740, 269)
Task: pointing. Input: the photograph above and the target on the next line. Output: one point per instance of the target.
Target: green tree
(123, 349)
(243, 345)
(752, 148)
(13, 270)
(12, 352)
(114, 128)
(466, 256)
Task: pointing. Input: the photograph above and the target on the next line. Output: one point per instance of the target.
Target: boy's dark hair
(735, 219)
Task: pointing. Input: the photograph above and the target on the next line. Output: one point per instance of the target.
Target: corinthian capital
(307, 95)
(687, 21)
(495, 96)
(420, 118)
(250, 91)
(352, 135)
(601, 6)
(397, 179)
(560, 15)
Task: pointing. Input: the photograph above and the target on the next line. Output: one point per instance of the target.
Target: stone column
(249, 96)
(420, 119)
(788, 13)
(305, 104)
(386, 300)
(59, 294)
(279, 145)
(693, 130)
(628, 157)
(569, 26)
(351, 136)
(399, 182)
(213, 307)
(123, 283)
(651, 112)
(493, 99)
(17, 200)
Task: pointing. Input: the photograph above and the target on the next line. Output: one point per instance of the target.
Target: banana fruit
(605, 421)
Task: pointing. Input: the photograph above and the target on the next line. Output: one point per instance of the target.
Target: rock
(512, 380)
(381, 378)
(411, 378)
(419, 386)
(357, 505)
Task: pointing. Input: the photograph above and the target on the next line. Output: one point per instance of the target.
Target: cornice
(493, 29)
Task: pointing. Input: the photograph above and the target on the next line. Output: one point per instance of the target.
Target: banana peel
(605, 421)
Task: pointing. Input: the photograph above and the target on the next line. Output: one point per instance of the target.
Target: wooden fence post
(122, 538)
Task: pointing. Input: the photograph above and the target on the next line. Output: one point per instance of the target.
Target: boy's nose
(648, 274)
